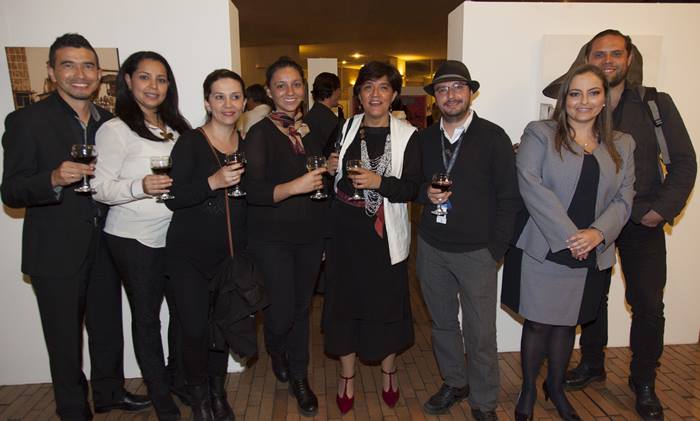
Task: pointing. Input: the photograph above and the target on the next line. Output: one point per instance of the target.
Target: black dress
(196, 245)
(582, 213)
(367, 308)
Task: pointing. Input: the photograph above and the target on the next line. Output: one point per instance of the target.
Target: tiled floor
(256, 395)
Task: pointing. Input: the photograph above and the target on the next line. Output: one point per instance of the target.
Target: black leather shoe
(480, 415)
(220, 407)
(129, 402)
(582, 375)
(648, 406)
(442, 401)
(201, 402)
(280, 366)
(306, 399)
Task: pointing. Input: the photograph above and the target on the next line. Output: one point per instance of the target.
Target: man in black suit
(62, 247)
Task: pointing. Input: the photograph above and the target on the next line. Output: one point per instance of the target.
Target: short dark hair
(129, 111)
(256, 93)
(70, 40)
(324, 85)
(281, 63)
(614, 32)
(376, 70)
(221, 74)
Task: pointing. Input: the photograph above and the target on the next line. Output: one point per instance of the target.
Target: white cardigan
(398, 227)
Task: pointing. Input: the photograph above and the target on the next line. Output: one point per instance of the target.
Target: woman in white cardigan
(147, 124)
(367, 310)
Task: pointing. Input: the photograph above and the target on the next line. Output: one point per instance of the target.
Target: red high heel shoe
(390, 396)
(344, 402)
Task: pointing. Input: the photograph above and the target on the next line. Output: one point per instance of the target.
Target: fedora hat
(451, 71)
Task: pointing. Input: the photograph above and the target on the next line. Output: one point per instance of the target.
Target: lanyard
(453, 158)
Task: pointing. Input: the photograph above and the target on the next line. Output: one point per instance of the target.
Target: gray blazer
(547, 184)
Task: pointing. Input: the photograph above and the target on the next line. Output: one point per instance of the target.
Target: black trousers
(190, 291)
(643, 259)
(93, 295)
(290, 272)
(142, 271)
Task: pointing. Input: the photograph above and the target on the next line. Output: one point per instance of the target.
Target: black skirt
(367, 309)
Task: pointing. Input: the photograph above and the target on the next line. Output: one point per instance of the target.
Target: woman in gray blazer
(576, 178)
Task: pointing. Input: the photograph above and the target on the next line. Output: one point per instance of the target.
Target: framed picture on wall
(31, 83)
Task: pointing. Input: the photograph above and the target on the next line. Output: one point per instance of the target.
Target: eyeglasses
(457, 88)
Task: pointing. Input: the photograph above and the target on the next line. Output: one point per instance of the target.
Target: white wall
(502, 44)
(194, 36)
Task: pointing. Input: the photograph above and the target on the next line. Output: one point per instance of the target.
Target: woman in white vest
(367, 312)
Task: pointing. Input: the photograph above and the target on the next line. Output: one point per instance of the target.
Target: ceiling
(408, 29)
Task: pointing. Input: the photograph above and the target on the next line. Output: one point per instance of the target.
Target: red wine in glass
(161, 165)
(237, 157)
(442, 182)
(84, 154)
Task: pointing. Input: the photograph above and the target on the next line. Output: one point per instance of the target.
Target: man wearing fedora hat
(458, 253)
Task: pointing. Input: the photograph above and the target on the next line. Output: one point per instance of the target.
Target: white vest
(398, 227)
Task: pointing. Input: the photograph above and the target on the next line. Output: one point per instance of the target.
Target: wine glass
(442, 182)
(84, 154)
(236, 158)
(161, 165)
(351, 165)
(312, 163)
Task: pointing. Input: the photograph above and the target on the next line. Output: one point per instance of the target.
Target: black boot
(280, 366)
(163, 403)
(579, 377)
(306, 400)
(200, 402)
(219, 403)
(647, 403)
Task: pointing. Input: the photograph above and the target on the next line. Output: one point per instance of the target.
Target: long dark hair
(602, 127)
(129, 111)
(219, 74)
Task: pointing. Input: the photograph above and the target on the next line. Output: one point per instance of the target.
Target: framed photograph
(31, 83)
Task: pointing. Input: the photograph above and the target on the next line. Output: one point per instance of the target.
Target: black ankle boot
(200, 402)
(163, 403)
(219, 403)
(647, 403)
(280, 366)
(306, 399)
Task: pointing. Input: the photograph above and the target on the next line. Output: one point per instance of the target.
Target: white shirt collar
(459, 130)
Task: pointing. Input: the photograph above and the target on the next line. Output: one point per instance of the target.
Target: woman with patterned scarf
(367, 312)
(285, 226)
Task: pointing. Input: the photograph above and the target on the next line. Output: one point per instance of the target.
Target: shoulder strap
(228, 212)
(649, 96)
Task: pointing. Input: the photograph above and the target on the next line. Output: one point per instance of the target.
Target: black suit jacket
(324, 125)
(59, 223)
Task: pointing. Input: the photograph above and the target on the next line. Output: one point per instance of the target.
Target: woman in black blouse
(367, 311)
(286, 226)
(197, 241)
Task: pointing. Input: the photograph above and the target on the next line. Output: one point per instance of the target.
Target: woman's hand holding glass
(583, 241)
(227, 176)
(155, 185)
(363, 178)
(312, 180)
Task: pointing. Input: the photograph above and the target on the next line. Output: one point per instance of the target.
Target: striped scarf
(294, 128)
